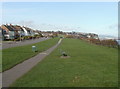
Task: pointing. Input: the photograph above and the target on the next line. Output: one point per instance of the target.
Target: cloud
(29, 23)
(52, 27)
(114, 26)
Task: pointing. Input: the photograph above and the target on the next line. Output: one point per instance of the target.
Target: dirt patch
(65, 57)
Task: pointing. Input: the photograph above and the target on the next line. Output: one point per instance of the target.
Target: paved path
(14, 73)
(14, 44)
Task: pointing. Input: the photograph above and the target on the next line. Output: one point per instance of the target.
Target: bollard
(34, 49)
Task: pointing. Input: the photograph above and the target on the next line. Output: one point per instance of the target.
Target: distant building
(14, 31)
(1, 34)
(92, 36)
(28, 31)
(8, 32)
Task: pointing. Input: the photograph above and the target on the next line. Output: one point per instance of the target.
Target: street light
(20, 35)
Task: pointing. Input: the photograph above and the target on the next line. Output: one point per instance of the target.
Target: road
(15, 44)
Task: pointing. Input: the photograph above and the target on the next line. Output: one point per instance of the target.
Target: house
(12, 31)
(45, 34)
(28, 31)
(37, 32)
(8, 32)
(1, 34)
(92, 36)
(15, 31)
(19, 31)
(25, 31)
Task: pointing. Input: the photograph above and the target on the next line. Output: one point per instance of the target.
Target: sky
(88, 17)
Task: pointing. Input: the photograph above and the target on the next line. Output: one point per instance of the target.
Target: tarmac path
(9, 76)
(10, 44)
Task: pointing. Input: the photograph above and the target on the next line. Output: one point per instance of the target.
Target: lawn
(89, 65)
(15, 55)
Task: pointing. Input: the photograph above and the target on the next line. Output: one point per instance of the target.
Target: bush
(95, 41)
(109, 43)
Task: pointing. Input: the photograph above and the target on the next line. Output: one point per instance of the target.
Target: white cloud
(114, 26)
(29, 23)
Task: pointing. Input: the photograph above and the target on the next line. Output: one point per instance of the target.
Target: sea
(118, 41)
(102, 37)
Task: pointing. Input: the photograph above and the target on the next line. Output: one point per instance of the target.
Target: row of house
(81, 35)
(15, 31)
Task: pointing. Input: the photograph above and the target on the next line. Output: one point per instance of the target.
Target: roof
(18, 28)
(9, 27)
(28, 29)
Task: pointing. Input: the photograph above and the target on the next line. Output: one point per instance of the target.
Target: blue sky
(94, 17)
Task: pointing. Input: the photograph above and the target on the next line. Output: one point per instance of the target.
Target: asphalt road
(9, 76)
(10, 44)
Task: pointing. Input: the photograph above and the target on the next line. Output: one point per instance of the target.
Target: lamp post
(20, 35)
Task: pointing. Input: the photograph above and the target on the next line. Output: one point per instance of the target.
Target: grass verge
(15, 55)
(89, 65)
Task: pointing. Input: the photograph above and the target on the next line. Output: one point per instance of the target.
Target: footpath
(9, 76)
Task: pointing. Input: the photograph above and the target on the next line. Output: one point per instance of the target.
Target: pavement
(11, 75)
(9, 44)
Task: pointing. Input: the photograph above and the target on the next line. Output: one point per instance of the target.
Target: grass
(89, 65)
(15, 55)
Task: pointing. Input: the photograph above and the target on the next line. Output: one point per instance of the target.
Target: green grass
(15, 55)
(89, 66)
